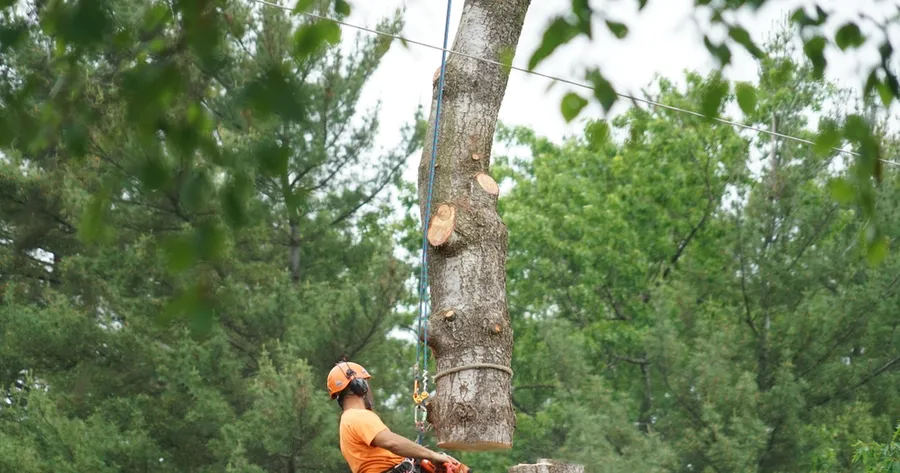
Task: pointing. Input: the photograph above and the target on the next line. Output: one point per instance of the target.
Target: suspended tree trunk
(469, 326)
(547, 466)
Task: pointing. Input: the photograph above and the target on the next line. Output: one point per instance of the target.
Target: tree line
(195, 227)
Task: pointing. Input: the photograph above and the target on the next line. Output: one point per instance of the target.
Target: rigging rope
(422, 330)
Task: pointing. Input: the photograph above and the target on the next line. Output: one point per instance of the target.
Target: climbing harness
(422, 330)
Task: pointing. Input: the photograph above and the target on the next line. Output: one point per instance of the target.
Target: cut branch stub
(437, 75)
(487, 183)
(442, 225)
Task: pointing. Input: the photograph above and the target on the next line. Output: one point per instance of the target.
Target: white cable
(560, 79)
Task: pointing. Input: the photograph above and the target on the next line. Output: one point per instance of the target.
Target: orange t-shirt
(358, 428)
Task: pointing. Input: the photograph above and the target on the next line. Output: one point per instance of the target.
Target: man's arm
(404, 447)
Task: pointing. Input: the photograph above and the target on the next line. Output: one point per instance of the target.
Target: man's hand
(440, 459)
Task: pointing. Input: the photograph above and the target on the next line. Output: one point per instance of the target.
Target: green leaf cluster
(819, 35)
(195, 227)
(687, 297)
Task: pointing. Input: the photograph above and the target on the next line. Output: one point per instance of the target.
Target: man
(366, 443)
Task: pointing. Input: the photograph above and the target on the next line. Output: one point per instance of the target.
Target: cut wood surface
(547, 466)
(442, 225)
(487, 183)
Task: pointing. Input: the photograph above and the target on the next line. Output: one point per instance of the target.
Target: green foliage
(557, 34)
(178, 120)
(841, 190)
(828, 138)
(571, 106)
(603, 90)
(195, 229)
(618, 29)
(685, 300)
(879, 458)
(849, 36)
(815, 51)
(746, 97)
(816, 39)
(713, 97)
(308, 38)
(721, 51)
(742, 37)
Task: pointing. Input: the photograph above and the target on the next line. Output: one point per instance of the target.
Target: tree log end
(474, 446)
(547, 466)
(473, 408)
(442, 225)
(488, 183)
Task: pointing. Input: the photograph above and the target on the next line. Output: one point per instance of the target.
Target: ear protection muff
(357, 386)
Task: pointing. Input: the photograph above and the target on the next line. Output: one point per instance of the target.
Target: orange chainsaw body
(429, 467)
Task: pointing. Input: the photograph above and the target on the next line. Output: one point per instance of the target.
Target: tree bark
(646, 418)
(294, 262)
(547, 466)
(763, 362)
(472, 408)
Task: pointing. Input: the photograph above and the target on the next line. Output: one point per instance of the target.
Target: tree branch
(689, 238)
(770, 443)
(615, 305)
(323, 182)
(520, 407)
(535, 386)
(38, 277)
(812, 237)
(628, 359)
(373, 327)
(647, 402)
(699, 420)
(890, 364)
(371, 196)
(748, 318)
(105, 157)
(69, 228)
(849, 331)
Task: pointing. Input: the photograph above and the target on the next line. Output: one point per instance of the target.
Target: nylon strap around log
(422, 329)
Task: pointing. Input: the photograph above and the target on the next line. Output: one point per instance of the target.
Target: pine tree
(194, 231)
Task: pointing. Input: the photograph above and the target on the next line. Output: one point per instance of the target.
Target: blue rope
(422, 344)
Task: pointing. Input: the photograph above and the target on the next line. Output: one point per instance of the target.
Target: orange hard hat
(340, 376)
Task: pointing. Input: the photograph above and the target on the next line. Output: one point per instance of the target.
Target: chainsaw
(429, 467)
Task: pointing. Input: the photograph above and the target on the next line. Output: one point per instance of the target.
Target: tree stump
(544, 465)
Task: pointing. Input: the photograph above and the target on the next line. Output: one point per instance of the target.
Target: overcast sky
(664, 39)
